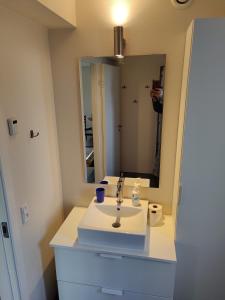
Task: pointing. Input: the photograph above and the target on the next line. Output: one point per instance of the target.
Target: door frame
(5, 283)
(8, 242)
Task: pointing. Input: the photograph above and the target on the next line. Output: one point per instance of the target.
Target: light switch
(12, 126)
(25, 216)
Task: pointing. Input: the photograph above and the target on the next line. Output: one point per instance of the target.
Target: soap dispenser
(136, 194)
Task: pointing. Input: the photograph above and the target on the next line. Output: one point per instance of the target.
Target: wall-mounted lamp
(119, 42)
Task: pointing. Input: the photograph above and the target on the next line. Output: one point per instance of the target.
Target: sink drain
(116, 225)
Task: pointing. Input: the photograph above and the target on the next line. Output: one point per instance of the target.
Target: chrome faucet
(119, 193)
(119, 196)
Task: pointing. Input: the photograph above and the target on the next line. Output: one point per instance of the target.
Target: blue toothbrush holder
(104, 182)
(100, 194)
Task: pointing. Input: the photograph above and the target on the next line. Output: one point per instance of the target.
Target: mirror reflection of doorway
(122, 103)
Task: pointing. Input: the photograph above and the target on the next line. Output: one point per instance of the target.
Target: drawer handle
(111, 292)
(109, 256)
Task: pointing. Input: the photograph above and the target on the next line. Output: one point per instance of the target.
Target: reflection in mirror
(122, 109)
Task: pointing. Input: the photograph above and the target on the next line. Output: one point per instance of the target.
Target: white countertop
(160, 244)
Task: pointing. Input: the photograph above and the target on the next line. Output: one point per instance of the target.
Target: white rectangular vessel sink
(104, 225)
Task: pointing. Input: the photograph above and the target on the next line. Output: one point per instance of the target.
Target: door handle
(119, 127)
(111, 292)
(5, 230)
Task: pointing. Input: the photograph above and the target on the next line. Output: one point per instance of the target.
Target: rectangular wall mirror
(122, 112)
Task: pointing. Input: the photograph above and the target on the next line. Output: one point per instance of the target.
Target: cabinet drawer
(116, 272)
(73, 291)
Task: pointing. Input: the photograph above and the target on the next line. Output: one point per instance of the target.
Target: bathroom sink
(104, 225)
(125, 212)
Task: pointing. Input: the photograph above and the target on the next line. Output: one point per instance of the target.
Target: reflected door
(111, 118)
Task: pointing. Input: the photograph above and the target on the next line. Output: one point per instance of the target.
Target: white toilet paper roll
(155, 213)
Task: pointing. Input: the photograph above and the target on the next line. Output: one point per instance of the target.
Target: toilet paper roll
(155, 213)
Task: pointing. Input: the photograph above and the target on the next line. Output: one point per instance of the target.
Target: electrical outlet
(25, 216)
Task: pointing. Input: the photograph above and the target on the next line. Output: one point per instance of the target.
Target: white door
(97, 122)
(9, 289)
(111, 118)
(138, 141)
(200, 241)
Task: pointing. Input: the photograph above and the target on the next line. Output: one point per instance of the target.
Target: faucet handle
(119, 184)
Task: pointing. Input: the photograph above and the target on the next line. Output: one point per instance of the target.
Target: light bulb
(120, 56)
(120, 12)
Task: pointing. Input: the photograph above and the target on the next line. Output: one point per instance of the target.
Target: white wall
(30, 167)
(66, 9)
(50, 13)
(153, 27)
(139, 120)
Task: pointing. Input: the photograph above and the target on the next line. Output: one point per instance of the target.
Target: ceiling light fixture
(119, 42)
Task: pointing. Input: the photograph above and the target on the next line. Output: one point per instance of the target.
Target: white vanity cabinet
(104, 274)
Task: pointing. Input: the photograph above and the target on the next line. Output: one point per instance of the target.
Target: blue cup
(104, 182)
(100, 194)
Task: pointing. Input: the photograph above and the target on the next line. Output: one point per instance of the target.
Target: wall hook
(33, 135)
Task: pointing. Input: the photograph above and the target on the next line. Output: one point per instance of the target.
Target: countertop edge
(160, 237)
